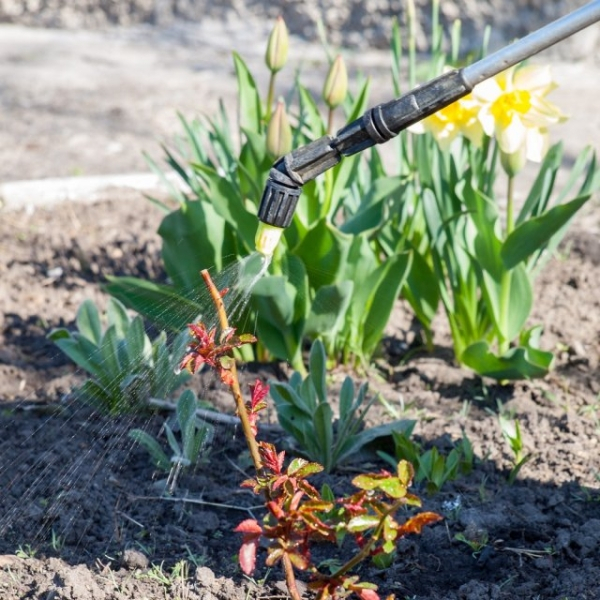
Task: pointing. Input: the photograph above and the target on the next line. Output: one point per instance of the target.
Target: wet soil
(85, 516)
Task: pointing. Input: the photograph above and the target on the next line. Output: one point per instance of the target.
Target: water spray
(385, 121)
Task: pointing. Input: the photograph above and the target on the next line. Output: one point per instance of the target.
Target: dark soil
(84, 516)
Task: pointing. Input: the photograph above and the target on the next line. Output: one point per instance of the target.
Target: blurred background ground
(88, 97)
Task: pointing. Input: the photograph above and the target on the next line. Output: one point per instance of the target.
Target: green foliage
(479, 264)
(430, 466)
(192, 447)
(126, 368)
(305, 413)
(328, 280)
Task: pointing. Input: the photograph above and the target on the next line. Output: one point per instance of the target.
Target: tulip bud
(279, 132)
(336, 84)
(277, 48)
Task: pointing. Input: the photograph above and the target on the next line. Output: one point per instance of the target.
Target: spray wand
(385, 121)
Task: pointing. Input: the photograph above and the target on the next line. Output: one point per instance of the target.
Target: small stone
(205, 576)
(134, 559)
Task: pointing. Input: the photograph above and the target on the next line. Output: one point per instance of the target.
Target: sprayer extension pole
(385, 121)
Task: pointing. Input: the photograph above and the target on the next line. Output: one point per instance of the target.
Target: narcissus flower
(459, 118)
(515, 111)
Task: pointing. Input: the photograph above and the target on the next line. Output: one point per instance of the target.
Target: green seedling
(476, 542)
(57, 542)
(26, 551)
(192, 447)
(511, 431)
(305, 413)
(430, 466)
(126, 368)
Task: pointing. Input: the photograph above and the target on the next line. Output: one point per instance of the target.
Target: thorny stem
(290, 578)
(235, 386)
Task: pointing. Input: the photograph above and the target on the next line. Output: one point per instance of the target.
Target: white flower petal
(417, 128)
(487, 91)
(534, 78)
(474, 132)
(537, 144)
(512, 137)
(487, 120)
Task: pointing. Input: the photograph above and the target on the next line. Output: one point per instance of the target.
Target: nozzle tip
(267, 238)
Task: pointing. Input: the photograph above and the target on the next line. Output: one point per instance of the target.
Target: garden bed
(84, 516)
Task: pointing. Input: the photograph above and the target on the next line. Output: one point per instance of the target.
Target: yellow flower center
(509, 103)
(455, 113)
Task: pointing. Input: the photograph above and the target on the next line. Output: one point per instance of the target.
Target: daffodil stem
(412, 43)
(510, 205)
(235, 386)
(504, 342)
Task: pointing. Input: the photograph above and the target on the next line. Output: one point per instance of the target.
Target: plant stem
(270, 97)
(235, 386)
(290, 578)
(412, 43)
(503, 341)
(510, 206)
(330, 121)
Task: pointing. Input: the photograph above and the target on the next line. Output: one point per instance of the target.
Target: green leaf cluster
(194, 440)
(126, 367)
(306, 414)
(430, 465)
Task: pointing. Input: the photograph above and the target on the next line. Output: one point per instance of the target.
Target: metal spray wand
(383, 122)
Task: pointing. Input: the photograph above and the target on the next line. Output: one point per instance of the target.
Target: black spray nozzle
(376, 126)
(289, 174)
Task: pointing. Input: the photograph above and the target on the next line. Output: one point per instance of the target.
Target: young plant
(305, 413)
(126, 367)
(511, 431)
(193, 446)
(477, 541)
(312, 290)
(430, 466)
(297, 515)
